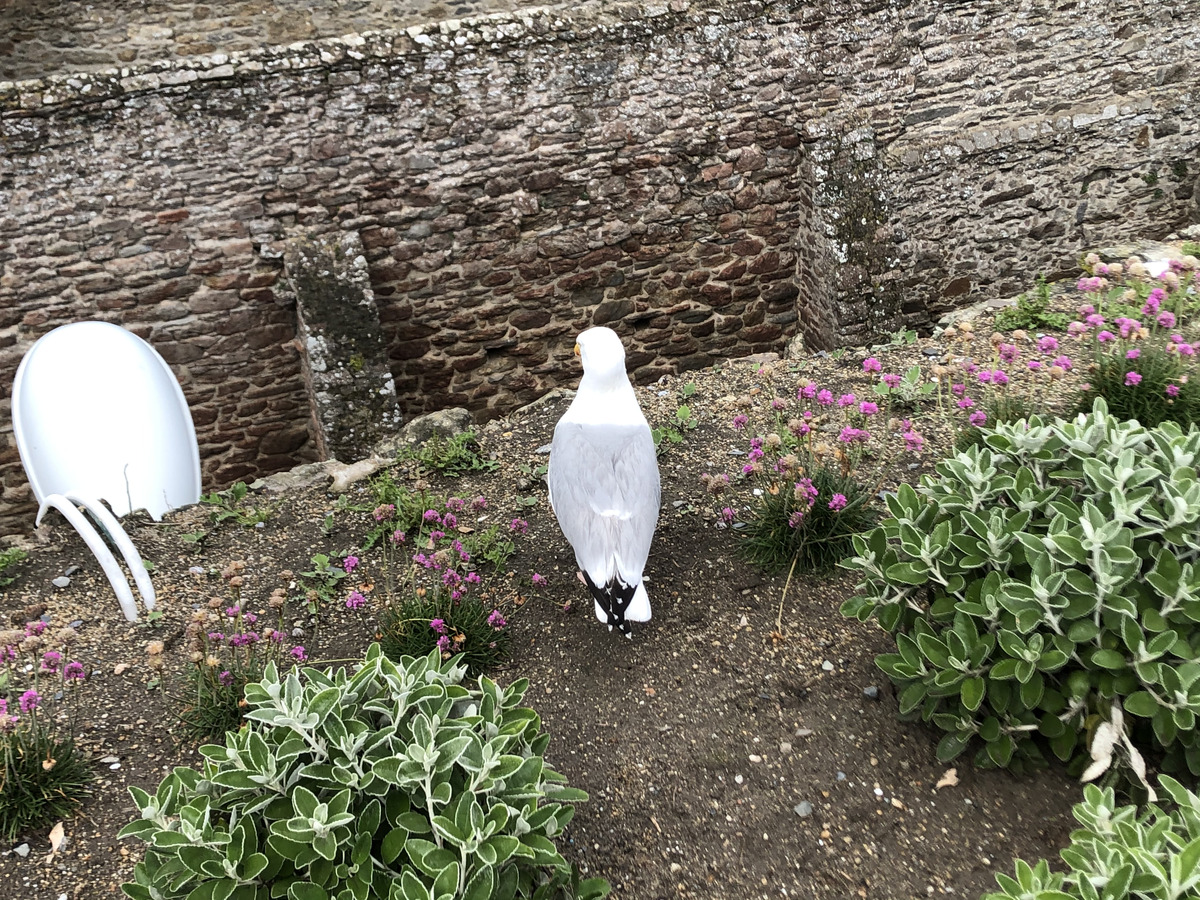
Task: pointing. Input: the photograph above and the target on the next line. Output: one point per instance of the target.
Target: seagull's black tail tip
(614, 599)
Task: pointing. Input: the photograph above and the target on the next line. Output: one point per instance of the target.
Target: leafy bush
(1041, 582)
(9, 560)
(43, 775)
(1119, 853)
(453, 456)
(1161, 393)
(906, 390)
(394, 783)
(425, 621)
(397, 508)
(1032, 312)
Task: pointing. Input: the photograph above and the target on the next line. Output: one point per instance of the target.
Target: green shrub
(397, 508)
(10, 559)
(789, 526)
(1038, 584)
(43, 774)
(1119, 853)
(1032, 312)
(466, 629)
(1000, 408)
(394, 783)
(228, 507)
(452, 456)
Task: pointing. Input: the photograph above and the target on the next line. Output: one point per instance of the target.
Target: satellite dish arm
(95, 542)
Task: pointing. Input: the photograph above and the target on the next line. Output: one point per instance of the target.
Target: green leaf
(1142, 704)
(306, 890)
(972, 693)
(1109, 659)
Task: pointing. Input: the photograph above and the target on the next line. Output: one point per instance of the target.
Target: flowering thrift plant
(1138, 331)
(43, 774)
(438, 601)
(229, 647)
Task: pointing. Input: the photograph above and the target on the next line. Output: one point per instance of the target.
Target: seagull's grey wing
(604, 489)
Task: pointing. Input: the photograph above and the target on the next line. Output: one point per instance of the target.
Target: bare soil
(704, 742)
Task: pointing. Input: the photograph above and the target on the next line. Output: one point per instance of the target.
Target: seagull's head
(602, 353)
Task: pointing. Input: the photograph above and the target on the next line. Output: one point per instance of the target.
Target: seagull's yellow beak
(577, 349)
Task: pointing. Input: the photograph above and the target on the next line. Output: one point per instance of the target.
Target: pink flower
(1186, 350)
(837, 502)
(846, 400)
(518, 526)
(472, 578)
(479, 503)
(999, 376)
(432, 515)
(497, 620)
(1105, 336)
(727, 515)
(1133, 354)
(537, 579)
(891, 379)
(233, 611)
(1172, 390)
(384, 511)
(299, 653)
(226, 678)
(1009, 352)
(958, 389)
(73, 671)
(796, 518)
(867, 408)
(438, 625)
(1063, 362)
(1132, 379)
(776, 403)
(397, 537)
(854, 436)
(350, 563)
(443, 644)
(50, 661)
(1094, 320)
(1034, 365)
(30, 700)
(456, 504)
(1166, 319)
(966, 403)
(985, 376)
(871, 364)
(978, 418)
(825, 398)
(913, 441)
(355, 600)
(1047, 343)
(739, 422)
(807, 392)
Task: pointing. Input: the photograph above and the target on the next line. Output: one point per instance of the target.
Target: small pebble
(803, 732)
(755, 758)
(70, 570)
(676, 868)
(827, 666)
(61, 581)
(871, 693)
(544, 449)
(841, 776)
(785, 746)
(78, 623)
(22, 850)
(803, 809)
(738, 779)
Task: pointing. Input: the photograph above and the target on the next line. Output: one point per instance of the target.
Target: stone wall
(706, 178)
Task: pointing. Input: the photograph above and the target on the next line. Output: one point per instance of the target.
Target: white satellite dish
(98, 415)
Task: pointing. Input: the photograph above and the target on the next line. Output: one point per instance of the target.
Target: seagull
(604, 485)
